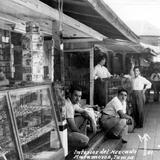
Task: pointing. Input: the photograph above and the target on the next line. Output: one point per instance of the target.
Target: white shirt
(139, 82)
(101, 72)
(114, 106)
(71, 108)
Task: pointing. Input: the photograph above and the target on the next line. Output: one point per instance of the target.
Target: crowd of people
(114, 118)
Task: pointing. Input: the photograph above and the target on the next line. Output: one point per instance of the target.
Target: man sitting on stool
(114, 116)
(77, 137)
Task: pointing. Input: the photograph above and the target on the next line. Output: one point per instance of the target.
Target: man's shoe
(114, 136)
(124, 141)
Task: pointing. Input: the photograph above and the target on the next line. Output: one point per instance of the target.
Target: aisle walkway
(145, 143)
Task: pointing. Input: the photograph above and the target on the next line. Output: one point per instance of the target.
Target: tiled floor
(146, 149)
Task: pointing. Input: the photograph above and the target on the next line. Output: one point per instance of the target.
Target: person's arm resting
(119, 109)
(72, 125)
(123, 115)
(70, 117)
(83, 112)
(87, 116)
(147, 85)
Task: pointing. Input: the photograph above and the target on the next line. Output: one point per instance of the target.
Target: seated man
(77, 125)
(114, 116)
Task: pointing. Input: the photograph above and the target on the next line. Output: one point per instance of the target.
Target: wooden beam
(84, 14)
(79, 40)
(10, 18)
(80, 3)
(77, 50)
(91, 76)
(52, 55)
(133, 47)
(113, 19)
(53, 14)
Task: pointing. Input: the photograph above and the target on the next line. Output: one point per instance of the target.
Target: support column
(52, 55)
(124, 62)
(91, 75)
(62, 66)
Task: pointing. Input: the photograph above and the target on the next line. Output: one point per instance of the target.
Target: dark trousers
(114, 125)
(156, 87)
(138, 104)
(78, 140)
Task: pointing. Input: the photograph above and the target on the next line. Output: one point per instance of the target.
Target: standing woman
(100, 71)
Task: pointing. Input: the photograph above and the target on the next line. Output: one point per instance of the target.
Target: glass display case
(32, 113)
(8, 147)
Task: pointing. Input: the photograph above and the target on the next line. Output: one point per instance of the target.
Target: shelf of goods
(5, 52)
(28, 125)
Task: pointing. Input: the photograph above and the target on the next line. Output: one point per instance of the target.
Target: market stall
(28, 125)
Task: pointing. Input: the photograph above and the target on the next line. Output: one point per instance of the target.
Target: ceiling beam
(79, 40)
(83, 14)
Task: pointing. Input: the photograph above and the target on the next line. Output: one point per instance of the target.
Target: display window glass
(8, 149)
(35, 121)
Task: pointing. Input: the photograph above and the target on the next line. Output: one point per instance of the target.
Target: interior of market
(40, 61)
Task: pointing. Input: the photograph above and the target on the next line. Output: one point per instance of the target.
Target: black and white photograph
(79, 80)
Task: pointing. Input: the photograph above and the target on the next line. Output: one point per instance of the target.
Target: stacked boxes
(32, 57)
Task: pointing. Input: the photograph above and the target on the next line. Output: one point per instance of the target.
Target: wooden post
(91, 75)
(52, 60)
(12, 69)
(62, 66)
(124, 62)
(52, 54)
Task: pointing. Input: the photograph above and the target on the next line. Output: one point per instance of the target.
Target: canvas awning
(97, 15)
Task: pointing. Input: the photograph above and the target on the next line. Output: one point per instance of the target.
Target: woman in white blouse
(100, 71)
